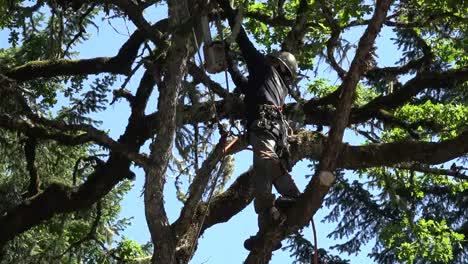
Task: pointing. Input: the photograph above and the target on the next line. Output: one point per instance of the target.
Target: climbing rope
(225, 149)
(315, 241)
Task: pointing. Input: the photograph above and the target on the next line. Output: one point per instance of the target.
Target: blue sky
(222, 243)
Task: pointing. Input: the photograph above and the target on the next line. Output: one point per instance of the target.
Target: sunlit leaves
(429, 239)
(348, 11)
(449, 119)
(319, 87)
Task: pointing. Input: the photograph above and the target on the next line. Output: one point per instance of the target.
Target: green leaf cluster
(428, 239)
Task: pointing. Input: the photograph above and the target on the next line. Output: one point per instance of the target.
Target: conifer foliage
(401, 189)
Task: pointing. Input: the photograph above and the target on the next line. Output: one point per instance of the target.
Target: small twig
(333, 40)
(454, 171)
(368, 135)
(82, 28)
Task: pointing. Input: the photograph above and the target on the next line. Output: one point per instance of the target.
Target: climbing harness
(272, 120)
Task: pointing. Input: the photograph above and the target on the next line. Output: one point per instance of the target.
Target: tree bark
(175, 69)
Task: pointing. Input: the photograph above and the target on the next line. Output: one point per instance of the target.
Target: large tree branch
(411, 88)
(232, 106)
(120, 64)
(62, 199)
(422, 81)
(230, 202)
(198, 186)
(175, 69)
(59, 198)
(294, 39)
(82, 134)
(199, 76)
(310, 145)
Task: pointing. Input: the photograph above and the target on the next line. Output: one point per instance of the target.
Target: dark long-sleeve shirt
(265, 85)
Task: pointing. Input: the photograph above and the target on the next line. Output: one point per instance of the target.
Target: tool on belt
(272, 120)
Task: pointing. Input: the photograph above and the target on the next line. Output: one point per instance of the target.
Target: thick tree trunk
(173, 71)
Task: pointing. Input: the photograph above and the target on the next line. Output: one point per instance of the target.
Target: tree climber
(268, 85)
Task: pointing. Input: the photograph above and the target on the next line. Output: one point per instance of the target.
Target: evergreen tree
(62, 175)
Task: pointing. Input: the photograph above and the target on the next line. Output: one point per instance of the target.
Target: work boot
(250, 243)
(269, 217)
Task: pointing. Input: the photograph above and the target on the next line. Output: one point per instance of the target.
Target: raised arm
(251, 55)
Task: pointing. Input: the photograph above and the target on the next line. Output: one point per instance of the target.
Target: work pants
(268, 171)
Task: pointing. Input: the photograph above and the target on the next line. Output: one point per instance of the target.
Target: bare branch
(436, 171)
(333, 40)
(161, 147)
(200, 76)
(294, 39)
(81, 134)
